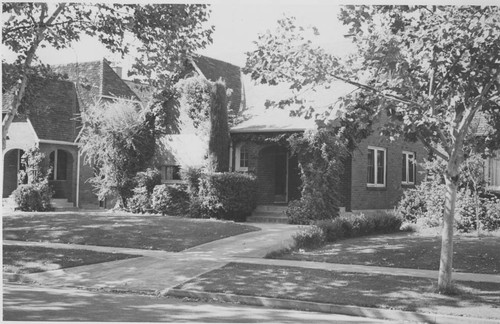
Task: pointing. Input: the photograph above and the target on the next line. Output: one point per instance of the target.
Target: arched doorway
(60, 179)
(12, 163)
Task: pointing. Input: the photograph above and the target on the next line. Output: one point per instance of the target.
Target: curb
(369, 312)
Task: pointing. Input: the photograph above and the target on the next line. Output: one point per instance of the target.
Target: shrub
(33, 196)
(191, 176)
(170, 199)
(309, 238)
(306, 210)
(359, 225)
(148, 179)
(229, 195)
(140, 202)
(488, 209)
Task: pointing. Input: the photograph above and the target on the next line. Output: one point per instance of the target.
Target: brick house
(376, 174)
(53, 126)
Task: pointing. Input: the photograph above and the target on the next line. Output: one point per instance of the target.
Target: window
(408, 170)
(170, 172)
(376, 167)
(492, 173)
(242, 158)
(58, 160)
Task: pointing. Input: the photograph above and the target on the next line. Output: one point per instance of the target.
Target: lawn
(140, 232)
(360, 289)
(471, 254)
(30, 259)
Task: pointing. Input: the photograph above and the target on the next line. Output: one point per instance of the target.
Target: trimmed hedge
(33, 197)
(228, 195)
(170, 199)
(342, 227)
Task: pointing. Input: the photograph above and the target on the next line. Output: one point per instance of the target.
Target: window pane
(411, 168)
(380, 167)
(403, 174)
(62, 160)
(371, 167)
(243, 157)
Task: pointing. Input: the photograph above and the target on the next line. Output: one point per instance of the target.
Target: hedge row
(329, 231)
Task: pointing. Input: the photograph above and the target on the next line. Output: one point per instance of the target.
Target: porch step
(269, 214)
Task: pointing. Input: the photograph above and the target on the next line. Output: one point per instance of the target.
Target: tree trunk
(446, 262)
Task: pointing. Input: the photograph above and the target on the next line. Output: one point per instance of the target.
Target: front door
(280, 180)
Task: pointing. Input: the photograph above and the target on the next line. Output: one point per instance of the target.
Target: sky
(237, 24)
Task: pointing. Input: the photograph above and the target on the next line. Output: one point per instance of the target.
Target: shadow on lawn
(370, 290)
(471, 254)
(141, 232)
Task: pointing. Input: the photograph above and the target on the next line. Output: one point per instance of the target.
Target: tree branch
(432, 148)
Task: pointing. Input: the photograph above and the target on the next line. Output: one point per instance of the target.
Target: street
(35, 303)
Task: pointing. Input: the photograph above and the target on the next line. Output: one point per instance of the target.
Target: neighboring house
(53, 125)
(482, 128)
(374, 178)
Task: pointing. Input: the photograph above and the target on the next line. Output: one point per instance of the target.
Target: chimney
(118, 70)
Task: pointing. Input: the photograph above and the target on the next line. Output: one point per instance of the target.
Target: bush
(359, 225)
(424, 206)
(140, 202)
(148, 179)
(170, 199)
(306, 211)
(488, 209)
(228, 195)
(34, 196)
(192, 177)
(309, 238)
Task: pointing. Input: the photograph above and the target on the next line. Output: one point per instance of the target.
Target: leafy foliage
(118, 141)
(166, 35)
(33, 192)
(145, 182)
(228, 195)
(170, 200)
(329, 231)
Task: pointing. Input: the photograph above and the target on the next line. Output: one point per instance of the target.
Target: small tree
(118, 141)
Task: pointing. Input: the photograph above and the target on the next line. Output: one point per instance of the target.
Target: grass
(140, 232)
(471, 254)
(360, 289)
(30, 259)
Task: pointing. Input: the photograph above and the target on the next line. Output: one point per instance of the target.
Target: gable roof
(95, 79)
(214, 70)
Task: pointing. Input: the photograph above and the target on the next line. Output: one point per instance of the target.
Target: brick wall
(363, 197)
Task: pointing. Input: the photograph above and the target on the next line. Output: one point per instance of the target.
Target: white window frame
(237, 165)
(407, 168)
(491, 172)
(375, 168)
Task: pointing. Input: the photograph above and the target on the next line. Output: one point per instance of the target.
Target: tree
(432, 68)
(164, 33)
(118, 140)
